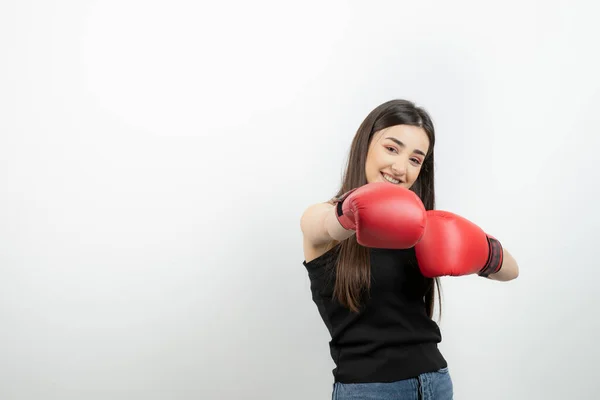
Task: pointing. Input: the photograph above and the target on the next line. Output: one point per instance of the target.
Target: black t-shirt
(391, 338)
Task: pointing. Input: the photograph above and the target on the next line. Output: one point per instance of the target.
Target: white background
(155, 158)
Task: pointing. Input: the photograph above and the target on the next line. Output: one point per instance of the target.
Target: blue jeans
(429, 386)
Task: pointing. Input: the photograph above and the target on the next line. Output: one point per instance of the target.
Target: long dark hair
(353, 268)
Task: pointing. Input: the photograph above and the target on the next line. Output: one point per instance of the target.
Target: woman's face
(396, 155)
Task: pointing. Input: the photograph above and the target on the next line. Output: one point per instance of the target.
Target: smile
(390, 179)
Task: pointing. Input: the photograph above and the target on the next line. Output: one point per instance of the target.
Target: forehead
(412, 136)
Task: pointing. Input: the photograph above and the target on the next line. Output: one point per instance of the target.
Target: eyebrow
(399, 143)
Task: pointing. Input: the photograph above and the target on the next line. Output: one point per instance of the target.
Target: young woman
(374, 252)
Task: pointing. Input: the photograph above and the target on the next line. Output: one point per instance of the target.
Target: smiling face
(396, 155)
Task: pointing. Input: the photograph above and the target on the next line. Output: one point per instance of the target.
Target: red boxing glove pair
(388, 216)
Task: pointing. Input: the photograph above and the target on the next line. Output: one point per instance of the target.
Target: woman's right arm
(320, 225)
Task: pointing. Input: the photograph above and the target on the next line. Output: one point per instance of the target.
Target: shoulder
(313, 214)
(311, 224)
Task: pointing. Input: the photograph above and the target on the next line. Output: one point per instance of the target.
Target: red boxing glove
(452, 245)
(383, 215)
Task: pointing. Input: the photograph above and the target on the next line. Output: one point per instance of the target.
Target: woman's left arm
(509, 270)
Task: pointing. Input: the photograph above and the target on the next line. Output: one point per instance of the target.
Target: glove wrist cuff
(345, 217)
(495, 258)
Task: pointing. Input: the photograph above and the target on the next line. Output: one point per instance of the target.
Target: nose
(399, 168)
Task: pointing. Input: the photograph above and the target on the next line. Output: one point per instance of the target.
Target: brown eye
(391, 148)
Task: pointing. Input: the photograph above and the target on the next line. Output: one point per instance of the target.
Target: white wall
(155, 158)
